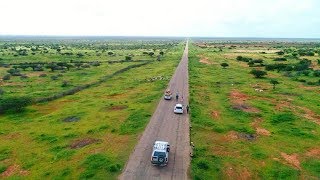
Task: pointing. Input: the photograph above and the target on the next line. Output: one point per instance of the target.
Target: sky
(206, 18)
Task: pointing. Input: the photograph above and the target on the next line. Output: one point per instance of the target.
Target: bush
(258, 73)
(280, 53)
(43, 75)
(128, 58)
(85, 66)
(14, 72)
(316, 73)
(15, 104)
(6, 77)
(224, 65)
(23, 76)
(280, 59)
(54, 77)
(65, 84)
(202, 164)
(3, 168)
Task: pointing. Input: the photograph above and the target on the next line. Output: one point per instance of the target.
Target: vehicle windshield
(157, 153)
(179, 107)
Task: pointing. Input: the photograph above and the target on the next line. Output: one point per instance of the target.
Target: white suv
(160, 153)
(178, 108)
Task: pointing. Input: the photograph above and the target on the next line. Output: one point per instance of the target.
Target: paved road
(167, 126)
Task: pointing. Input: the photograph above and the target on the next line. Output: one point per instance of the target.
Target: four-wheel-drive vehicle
(178, 108)
(167, 95)
(160, 153)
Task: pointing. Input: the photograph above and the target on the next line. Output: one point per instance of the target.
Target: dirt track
(167, 126)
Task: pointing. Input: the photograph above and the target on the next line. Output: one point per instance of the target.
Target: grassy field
(242, 128)
(89, 134)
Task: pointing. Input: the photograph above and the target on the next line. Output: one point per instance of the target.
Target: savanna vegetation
(73, 108)
(255, 110)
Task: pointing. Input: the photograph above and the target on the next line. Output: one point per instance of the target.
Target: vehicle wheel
(161, 160)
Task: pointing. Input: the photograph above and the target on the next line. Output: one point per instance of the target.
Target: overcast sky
(217, 18)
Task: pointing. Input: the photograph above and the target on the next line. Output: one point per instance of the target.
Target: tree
(110, 53)
(161, 53)
(15, 104)
(224, 65)
(274, 82)
(258, 73)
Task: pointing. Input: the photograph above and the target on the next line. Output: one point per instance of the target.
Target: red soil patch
(11, 136)
(239, 174)
(314, 153)
(292, 159)
(34, 74)
(238, 100)
(204, 60)
(259, 130)
(215, 114)
(83, 142)
(245, 174)
(262, 132)
(118, 107)
(308, 114)
(14, 169)
(230, 136)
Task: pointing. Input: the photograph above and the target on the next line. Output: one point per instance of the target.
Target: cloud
(272, 18)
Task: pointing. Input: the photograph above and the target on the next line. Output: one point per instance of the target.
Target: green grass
(114, 113)
(219, 131)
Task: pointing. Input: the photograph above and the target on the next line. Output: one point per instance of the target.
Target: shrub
(3, 168)
(96, 63)
(128, 58)
(54, 77)
(14, 72)
(65, 84)
(306, 72)
(151, 53)
(23, 76)
(15, 104)
(258, 73)
(4, 154)
(43, 75)
(316, 73)
(224, 65)
(6, 77)
(280, 53)
(280, 59)
(274, 82)
(202, 164)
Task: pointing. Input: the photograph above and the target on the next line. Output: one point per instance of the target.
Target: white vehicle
(167, 95)
(160, 153)
(178, 108)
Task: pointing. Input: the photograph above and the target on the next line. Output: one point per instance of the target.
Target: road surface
(166, 126)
